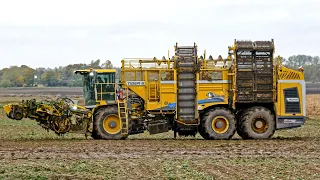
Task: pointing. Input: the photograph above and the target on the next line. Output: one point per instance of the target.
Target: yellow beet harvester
(249, 92)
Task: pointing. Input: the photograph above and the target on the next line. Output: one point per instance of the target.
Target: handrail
(147, 63)
(115, 92)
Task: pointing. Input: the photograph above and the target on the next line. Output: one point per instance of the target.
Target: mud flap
(286, 122)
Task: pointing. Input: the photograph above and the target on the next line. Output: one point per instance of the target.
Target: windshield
(105, 86)
(88, 90)
(98, 88)
(105, 78)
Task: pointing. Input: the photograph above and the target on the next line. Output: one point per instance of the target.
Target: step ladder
(123, 114)
(186, 63)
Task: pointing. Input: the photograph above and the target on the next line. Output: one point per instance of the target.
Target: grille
(289, 75)
(292, 101)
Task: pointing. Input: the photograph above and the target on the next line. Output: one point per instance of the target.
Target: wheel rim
(259, 125)
(18, 115)
(220, 124)
(111, 124)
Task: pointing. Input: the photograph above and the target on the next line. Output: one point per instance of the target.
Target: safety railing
(136, 64)
(148, 75)
(212, 63)
(146, 63)
(110, 91)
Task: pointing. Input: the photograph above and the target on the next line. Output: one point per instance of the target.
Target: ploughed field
(29, 152)
(313, 88)
(27, 91)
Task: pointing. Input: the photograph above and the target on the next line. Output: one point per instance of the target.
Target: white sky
(43, 33)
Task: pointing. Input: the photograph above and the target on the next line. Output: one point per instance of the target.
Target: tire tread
(246, 133)
(205, 125)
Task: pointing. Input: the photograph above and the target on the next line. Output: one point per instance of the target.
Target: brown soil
(293, 147)
(313, 105)
(64, 91)
(28, 152)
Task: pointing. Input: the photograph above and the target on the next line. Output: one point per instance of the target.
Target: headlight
(210, 95)
(91, 74)
(74, 107)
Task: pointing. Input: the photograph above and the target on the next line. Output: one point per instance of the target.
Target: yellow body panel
(7, 108)
(139, 90)
(289, 78)
(158, 95)
(155, 82)
(168, 94)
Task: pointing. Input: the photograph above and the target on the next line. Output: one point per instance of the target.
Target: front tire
(94, 134)
(107, 124)
(257, 123)
(218, 124)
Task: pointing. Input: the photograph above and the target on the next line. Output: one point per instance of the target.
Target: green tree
(18, 76)
(95, 64)
(310, 64)
(298, 60)
(50, 78)
(14, 75)
(28, 75)
(315, 60)
(107, 65)
(5, 83)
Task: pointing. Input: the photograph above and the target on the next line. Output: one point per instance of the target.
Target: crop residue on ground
(27, 151)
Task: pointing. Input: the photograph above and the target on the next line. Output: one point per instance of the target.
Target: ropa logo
(292, 99)
(135, 83)
(290, 121)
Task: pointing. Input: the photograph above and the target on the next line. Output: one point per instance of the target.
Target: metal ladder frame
(123, 115)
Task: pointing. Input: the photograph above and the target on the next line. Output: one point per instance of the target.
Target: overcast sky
(43, 33)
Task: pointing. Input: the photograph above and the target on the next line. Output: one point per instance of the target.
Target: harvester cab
(99, 86)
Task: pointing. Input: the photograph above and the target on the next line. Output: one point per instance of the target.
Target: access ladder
(123, 114)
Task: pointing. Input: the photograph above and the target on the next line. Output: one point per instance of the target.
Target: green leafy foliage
(5, 83)
(15, 76)
(50, 78)
(310, 64)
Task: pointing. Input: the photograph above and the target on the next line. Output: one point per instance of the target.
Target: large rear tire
(257, 123)
(201, 131)
(218, 123)
(107, 124)
(94, 134)
(239, 130)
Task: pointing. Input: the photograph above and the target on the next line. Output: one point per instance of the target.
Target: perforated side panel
(254, 74)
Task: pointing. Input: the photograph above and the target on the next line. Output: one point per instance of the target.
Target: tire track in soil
(92, 149)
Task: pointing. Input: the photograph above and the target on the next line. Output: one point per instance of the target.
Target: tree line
(25, 76)
(311, 65)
